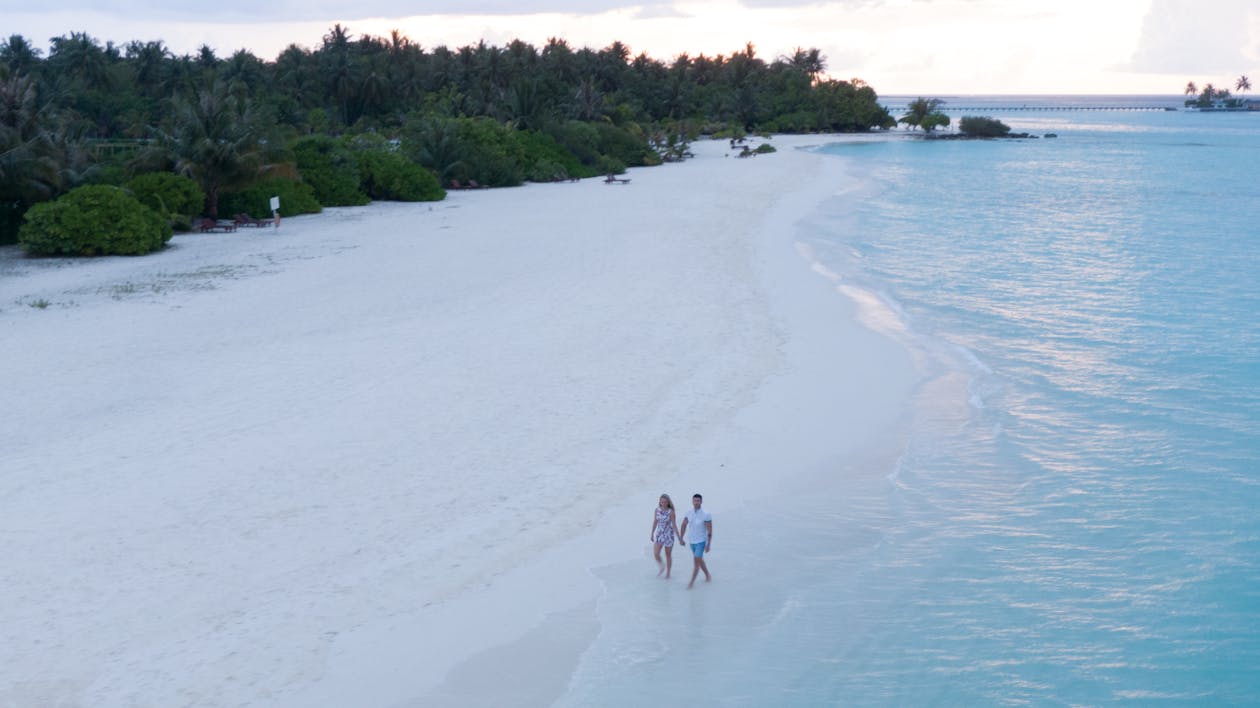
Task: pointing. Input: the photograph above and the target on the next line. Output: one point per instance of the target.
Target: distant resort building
(1225, 104)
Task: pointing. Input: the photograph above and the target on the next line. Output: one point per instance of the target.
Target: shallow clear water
(1070, 517)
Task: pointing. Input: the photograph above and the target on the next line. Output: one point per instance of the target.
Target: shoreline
(730, 464)
(319, 417)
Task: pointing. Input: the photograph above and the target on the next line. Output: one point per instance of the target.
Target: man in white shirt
(697, 528)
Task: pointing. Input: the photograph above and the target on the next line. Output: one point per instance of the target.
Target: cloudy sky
(934, 47)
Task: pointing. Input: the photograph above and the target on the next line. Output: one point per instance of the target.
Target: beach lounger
(244, 219)
(206, 225)
(614, 179)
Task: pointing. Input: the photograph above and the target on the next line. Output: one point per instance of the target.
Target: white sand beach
(365, 458)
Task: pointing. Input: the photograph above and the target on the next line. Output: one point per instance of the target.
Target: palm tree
(588, 101)
(206, 58)
(296, 75)
(743, 65)
(706, 70)
(28, 170)
(611, 65)
(526, 106)
(557, 57)
(146, 59)
(244, 73)
(809, 61)
(81, 57)
(218, 140)
(398, 43)
(1242, 84)
(435, 144)
(1191, 89)
(18, 54)
(375, 86)
(37, 158)
(679, 88)
(521, 57)
(923, 113)
(489, 68)
(338, 38)
(340, 76)
(404, 69)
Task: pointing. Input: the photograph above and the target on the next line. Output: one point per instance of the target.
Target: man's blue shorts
(697, 549)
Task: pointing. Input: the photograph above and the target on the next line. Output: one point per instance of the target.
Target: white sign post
(275, 210)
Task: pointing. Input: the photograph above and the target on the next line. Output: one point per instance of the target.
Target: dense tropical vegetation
(983, 127)
(1212, 97)
(924, 114)
(375, 118)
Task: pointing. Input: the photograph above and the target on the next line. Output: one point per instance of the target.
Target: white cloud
(317, 10)
(656, 12)
(1196, 37)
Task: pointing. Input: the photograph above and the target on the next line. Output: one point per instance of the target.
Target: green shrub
(490, 153)
(295, 198)
(622, 143)
(594, 144)
(387, 175)
(168, 194)
(730, 131)
(111, 173)
(500, 155)
(547, 171)
(610, 165)
(434, 143)
(93, 220)
(331, 169)
(580, 139)
(795, 122)
(764, 148)
(542, 155)
(983, 127)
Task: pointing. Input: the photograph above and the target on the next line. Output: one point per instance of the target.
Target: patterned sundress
(664, 529)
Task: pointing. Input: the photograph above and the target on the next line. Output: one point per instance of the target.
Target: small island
(1211, 99)
(925, 114)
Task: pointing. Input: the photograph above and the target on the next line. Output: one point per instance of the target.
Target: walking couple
(697, 530)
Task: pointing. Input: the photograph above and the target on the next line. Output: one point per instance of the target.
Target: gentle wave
(1069, 518)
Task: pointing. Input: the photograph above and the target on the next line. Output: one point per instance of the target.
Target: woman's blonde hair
(668, 501)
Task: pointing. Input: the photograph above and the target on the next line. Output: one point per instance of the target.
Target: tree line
(1211, 95)
(87, 112)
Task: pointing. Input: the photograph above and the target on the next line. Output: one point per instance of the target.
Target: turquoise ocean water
(1071, 514)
